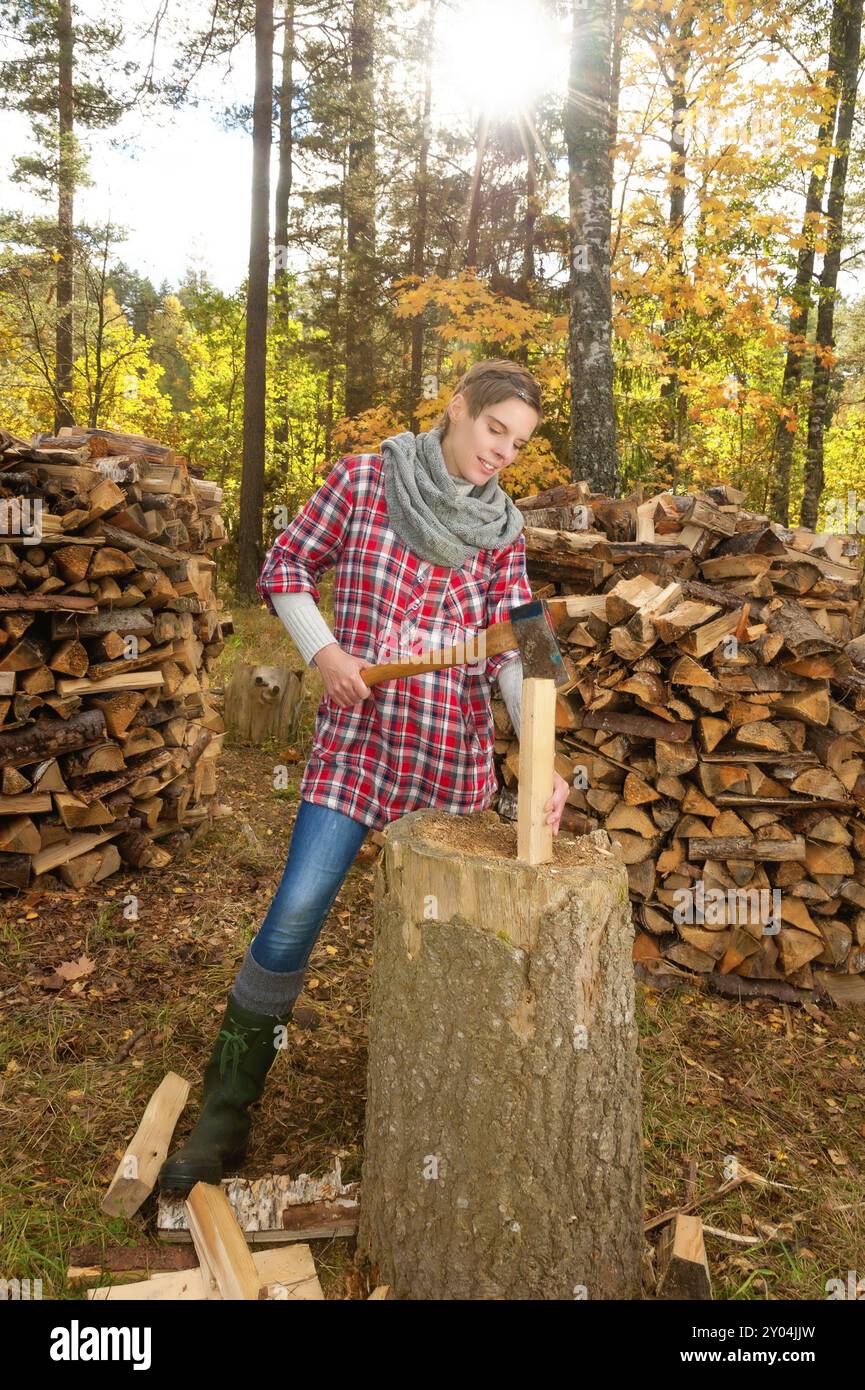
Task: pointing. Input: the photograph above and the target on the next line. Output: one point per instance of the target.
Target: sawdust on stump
(487, 834)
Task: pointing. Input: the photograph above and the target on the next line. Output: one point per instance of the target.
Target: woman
(424, 541)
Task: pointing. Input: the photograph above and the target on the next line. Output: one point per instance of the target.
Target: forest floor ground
(768, 1086)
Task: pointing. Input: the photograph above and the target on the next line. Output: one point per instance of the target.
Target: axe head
(537, 643)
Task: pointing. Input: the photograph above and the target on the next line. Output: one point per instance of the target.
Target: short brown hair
(486, 383)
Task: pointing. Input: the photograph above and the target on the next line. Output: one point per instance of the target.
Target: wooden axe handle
(499, 637)
(394, 670)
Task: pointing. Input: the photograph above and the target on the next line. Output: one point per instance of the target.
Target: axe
(529, 628)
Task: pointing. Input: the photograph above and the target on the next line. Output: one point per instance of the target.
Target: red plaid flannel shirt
(422, 741)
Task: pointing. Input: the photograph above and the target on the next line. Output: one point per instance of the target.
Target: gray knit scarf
(429, 513)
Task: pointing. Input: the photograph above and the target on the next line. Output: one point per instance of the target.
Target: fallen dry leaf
(74, 969)
(69, 970)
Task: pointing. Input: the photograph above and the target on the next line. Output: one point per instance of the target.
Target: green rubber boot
(242, 1056)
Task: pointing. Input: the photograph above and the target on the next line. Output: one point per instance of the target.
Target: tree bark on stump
(503, 1154)
(262, 702)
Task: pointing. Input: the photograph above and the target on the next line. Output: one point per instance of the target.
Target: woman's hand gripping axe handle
(528, 628)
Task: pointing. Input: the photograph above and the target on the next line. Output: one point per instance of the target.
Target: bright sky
(179, 182)
(183, 195)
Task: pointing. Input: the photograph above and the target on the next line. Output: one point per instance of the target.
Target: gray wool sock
(270, 992)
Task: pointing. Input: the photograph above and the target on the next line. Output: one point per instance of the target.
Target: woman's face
(480, 448)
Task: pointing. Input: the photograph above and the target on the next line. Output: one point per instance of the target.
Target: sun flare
(498, 56)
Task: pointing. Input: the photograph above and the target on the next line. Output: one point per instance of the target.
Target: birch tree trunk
(587, 134)
(503, 1154)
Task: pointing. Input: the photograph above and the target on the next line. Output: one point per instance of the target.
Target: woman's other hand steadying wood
(556, 803)
(340, 672)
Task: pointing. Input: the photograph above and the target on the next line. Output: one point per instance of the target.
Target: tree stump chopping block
(503, 1154)
(262, 702)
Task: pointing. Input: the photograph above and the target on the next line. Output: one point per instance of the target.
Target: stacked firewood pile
(714, 728)
(109, 628)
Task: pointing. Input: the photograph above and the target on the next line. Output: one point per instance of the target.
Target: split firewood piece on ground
(227, 1267)
(286, 1273)
(683, 1269)
(138, 1169)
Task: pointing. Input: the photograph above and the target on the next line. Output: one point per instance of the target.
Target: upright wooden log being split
(537, 748)
(503, 1153)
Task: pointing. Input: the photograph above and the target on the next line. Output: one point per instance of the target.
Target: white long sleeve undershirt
(301, 616)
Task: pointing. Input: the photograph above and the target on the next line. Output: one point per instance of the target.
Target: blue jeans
(324, 844)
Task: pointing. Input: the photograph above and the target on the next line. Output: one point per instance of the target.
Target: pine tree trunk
(470, 255)
(782, 448)
(65, 217)
(825, 336)
(616, 77)
(615, 99)
(249, 556)
(522, 289)
(360, 285)
(418, 262)
(335, 321)
(673, 402)
(281, 303)
(587, 134)
(503, 1153)
(527, 273)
